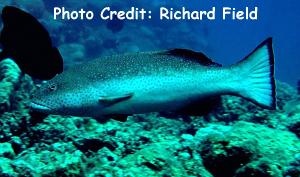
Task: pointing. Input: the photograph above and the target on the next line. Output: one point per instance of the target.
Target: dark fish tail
(24, 39)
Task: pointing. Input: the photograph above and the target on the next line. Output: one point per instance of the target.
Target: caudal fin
(257, 70)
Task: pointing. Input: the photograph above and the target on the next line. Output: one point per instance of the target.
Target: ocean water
(235, 139)
(225, 41)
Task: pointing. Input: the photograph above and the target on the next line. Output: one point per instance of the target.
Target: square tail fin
(257, 70)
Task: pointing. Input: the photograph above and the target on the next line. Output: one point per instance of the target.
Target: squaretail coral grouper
(122, 85)
(163, 81)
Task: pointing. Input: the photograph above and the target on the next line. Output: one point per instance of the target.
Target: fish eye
(52, 87)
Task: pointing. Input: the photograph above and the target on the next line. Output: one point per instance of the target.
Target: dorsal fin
(198, 57)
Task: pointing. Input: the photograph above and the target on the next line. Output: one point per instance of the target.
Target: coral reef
(9, 80)
(243, 149)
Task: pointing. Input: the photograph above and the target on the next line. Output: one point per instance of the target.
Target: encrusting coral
(9, 79)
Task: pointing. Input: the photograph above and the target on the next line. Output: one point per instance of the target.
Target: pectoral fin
(110, 100)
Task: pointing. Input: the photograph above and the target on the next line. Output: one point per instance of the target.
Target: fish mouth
(39, 107)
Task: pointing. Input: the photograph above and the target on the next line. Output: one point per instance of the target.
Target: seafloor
(236, 140)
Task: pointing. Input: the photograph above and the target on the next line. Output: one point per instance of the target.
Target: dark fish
(25, 40)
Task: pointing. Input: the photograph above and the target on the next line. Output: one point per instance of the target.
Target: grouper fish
(121, 85)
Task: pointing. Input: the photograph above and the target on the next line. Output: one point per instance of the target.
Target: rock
(295, 127)
(292, 107)
(15, 89)
(46, 134)
(260, 168)
(6, 150)
(17, 144)
(106, 156)
(55, 129)
(293, 170)
(10, 75)
(6, 170)
(50, 163)
(285, 93)
(223, 159)
(154, 160)
(94, 145)
(187, 140)
(226, 152)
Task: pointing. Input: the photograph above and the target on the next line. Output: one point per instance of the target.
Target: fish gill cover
(221, 136)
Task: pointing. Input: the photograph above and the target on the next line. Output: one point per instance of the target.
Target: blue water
(224, 41)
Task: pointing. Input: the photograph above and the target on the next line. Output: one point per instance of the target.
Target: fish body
(156, 82)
